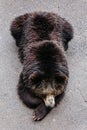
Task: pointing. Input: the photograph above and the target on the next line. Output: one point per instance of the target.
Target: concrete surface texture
(71, 114)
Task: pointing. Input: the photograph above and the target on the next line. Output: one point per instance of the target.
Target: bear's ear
(61, 79)
(35, 77)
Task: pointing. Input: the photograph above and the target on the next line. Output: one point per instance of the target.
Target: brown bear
(42, 39)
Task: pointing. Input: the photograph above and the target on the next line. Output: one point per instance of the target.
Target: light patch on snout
(49, 101)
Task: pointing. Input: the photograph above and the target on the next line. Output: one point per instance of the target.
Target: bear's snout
(50, 101)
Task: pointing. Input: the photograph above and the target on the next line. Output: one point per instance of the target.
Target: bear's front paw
(40, 112)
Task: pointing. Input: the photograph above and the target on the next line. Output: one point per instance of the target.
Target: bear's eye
(60, 79)
(58, 86)
(36, 81)
(36, 78)
(35, 84)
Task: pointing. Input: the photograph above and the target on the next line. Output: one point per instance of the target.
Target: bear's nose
(50, 101)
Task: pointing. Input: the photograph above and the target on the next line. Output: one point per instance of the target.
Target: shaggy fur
(42, 39)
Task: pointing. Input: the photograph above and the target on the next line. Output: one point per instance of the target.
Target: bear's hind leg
(67, 33)
(17, 27)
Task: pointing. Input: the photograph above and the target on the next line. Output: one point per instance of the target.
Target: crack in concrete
(85, 101)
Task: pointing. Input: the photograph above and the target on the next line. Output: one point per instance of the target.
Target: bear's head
(48, 88)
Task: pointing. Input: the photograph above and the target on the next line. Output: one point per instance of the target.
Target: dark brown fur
(42, 39)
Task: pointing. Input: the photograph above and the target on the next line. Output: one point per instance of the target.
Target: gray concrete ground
(71, 114)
